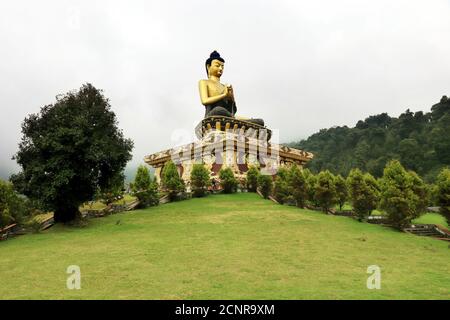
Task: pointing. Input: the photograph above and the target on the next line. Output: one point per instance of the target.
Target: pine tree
(364, 193)
(142, 179)
(297, 186)
(341, 191)
(171, 181)
(311, 181)
(144, 188)
(325, 193)
(265, 185)
(372, 195)
(252, 178)
(200, 180)
(281, 186)
(227, 180)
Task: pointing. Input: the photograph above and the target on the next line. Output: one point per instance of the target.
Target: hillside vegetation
(421, 141)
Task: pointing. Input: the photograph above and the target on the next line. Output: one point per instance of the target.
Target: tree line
(420, 141)
(401, 194)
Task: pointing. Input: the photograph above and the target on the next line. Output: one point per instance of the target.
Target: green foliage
(113, 190)
(171, 181)
(7, 196)
(281, 190)
(364, 193)
(69, 150)
(401, 194)
(372, 193)
(422, 191)
(311, 181)
(439, 139)
(200, 180)
(149, 197)
(325, 192)
(227, 180)
(252, 178)
(265, 185)
(298, 186)
(419, 140)
(142, 180)
(144, 188)
(34, 225)
(443, 193)
(13, 208)
(341, 190)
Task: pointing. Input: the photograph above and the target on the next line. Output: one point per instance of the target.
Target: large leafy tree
(69, 150)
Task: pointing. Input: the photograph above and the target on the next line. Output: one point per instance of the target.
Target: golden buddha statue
(218, 98)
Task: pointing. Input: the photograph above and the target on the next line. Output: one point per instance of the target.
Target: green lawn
(432, 218)
(426, 218)
(224, 247)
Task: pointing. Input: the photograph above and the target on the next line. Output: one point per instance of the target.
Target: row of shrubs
(401, 194)
(148, 191)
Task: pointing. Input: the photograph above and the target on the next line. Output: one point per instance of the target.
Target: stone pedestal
(229, 142)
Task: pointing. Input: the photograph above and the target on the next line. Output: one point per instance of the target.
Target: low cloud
(300, 65)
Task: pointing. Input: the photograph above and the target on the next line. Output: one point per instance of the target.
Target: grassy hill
(224, 247)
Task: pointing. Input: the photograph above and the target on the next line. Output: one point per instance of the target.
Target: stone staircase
(429, 230)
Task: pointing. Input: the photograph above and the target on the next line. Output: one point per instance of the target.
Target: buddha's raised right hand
(229, 92)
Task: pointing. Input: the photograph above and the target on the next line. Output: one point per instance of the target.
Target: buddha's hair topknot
(213, 56)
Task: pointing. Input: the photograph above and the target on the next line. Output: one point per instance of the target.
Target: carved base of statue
(218, 149)
(246, 127)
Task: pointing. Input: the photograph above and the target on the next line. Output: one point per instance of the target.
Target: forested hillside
(421, 141)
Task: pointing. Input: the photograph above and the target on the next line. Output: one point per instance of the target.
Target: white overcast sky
(299, 65)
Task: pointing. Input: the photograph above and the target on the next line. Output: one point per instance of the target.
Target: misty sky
(299, 65)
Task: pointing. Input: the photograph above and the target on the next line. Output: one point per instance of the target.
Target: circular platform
(232, 125)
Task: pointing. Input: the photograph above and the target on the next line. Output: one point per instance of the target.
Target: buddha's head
(214, 65)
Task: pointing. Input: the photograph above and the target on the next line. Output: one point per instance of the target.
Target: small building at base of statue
(228, 142)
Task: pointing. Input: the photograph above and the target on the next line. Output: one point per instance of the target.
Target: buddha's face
(216, 68)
